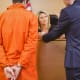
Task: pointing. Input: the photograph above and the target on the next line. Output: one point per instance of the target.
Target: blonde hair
(43, 12)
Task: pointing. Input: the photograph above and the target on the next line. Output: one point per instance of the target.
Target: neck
(44, 27)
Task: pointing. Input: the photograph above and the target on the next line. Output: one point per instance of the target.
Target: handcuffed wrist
(18, 65)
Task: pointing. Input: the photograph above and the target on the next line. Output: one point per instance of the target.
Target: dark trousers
(72, 73)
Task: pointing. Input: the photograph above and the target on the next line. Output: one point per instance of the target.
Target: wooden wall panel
(51, 60)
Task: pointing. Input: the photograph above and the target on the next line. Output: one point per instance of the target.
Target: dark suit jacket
(69, 23)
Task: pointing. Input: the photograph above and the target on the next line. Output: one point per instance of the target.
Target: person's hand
(62, 36)
(41, 35)
(16, 69)
(9, 72)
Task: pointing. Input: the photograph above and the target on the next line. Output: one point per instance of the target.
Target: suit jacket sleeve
(60, 28)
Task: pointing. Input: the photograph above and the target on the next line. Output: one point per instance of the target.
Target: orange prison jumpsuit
(18, 41)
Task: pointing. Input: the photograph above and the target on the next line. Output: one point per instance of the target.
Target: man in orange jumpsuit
(18, 43)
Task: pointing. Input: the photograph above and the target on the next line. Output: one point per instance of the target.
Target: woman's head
(43, 18)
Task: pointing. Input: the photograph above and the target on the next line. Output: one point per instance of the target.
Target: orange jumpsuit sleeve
(30, 46)
(3, 60)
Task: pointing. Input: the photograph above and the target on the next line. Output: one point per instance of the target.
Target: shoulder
(2, 15)
(67, 9)
(32, 16)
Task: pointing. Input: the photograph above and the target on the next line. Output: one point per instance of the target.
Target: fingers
(8, 72)
(13, 78)
(11, 72)
(41, 34)
(16, 71)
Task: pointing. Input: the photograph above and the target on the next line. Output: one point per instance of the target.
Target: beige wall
(51, 6)
(4, 4)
